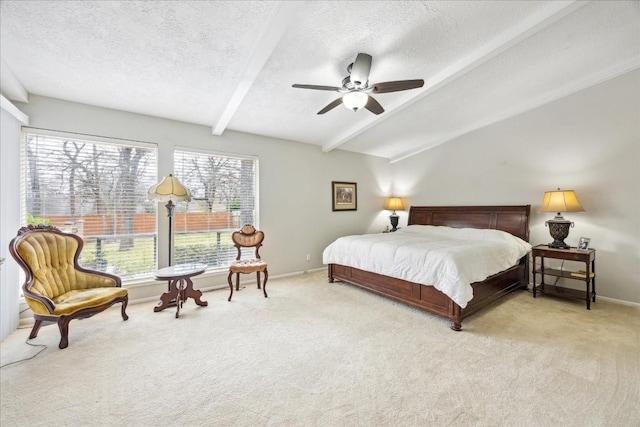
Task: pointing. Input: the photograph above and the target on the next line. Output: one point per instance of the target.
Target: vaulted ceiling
(230, 65)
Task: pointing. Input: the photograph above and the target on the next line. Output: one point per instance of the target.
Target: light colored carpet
(321, 354)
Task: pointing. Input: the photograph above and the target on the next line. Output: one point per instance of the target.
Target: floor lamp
(169, 190)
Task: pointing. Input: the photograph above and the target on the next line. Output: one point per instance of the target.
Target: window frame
(224, 233)
(150, 173)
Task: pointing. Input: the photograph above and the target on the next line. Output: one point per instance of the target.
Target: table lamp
(393, 204)
(168, 190)
(560, 201)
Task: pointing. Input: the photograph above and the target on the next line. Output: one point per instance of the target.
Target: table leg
(542, 274)
(179, 296)
(166, 298)
(593, 280)
(534, 277)
(588, 283)
(189, 292)
(180, 288)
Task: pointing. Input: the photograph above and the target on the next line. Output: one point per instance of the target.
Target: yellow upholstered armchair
(57, 288)
(247, 237)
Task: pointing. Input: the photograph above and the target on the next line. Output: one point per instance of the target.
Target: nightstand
(588, 275)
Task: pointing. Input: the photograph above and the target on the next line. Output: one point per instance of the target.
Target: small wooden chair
(247, 237)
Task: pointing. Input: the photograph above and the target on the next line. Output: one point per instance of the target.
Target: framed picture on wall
(344, 196)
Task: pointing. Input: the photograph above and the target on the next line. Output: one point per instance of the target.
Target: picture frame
(344, 196)
(583, 243)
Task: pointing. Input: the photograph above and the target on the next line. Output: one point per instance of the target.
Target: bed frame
(512, 219)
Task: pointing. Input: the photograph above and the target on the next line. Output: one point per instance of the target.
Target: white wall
(588, 142)
(295, 180)
(9, 215)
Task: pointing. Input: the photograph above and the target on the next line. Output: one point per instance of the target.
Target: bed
(511, 219)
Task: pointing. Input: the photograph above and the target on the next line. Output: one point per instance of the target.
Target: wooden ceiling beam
(266, 42)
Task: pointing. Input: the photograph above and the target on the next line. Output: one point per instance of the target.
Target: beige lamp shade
(169, 189)
(394, 203)
(561, 201)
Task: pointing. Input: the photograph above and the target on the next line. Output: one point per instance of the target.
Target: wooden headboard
(512, 219)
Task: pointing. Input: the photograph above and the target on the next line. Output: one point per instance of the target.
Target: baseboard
(619, 301)
(296, 273)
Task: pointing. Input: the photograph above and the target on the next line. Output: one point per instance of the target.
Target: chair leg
(264, 285)
(258, 276)
(230, 285)
(124, 307)
(36, 328)
(237, 281)
(63, 325)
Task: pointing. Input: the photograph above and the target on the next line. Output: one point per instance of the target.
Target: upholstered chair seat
(248, 237)
(57, 289)
(79, 299)
(247, 266)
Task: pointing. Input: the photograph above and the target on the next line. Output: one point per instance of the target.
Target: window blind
(98, 190)
(224, 190)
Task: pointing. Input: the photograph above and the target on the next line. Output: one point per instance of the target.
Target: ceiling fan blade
(397, 86)
(374, 106)
(360, 70)
(331, 106)
(316, 87)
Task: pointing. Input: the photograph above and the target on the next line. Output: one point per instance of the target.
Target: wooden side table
(180, 285)
(588, 275)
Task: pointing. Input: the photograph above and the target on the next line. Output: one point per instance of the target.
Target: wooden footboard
(416, 295)
(512, 219)
(429, 298)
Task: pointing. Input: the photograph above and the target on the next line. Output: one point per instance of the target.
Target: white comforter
(448, 258)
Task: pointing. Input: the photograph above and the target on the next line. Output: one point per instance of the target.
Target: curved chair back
(248, 237)
(49, 258)
(56, 288)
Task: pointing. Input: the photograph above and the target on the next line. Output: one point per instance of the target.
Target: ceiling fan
(356, 87)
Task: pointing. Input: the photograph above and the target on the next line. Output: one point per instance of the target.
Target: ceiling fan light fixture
(355, 100)
(355, 88)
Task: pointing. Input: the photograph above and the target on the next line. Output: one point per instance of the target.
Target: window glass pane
(99, 191)
(224, 197)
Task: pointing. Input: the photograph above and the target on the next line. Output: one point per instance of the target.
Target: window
(96, 188)
(224, 192)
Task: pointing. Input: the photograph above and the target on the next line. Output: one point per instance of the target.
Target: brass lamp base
(559, 230)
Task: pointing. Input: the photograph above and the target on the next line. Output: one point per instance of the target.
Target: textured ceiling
(230, 65)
